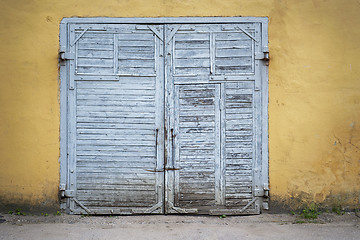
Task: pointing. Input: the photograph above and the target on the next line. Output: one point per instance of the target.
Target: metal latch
(266, 190)
(66, 56)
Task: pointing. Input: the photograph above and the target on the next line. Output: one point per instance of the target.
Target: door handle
(172, 149)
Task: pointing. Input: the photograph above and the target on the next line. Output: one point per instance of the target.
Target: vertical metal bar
(76, 57)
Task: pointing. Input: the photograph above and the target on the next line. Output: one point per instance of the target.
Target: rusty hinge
(66, 56)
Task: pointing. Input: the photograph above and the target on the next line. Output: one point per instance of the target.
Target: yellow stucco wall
(314, 89)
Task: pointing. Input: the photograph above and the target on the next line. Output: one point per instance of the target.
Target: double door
(164, 118)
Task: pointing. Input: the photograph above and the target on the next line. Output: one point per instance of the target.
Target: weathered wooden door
(214, 118)
(163, 118)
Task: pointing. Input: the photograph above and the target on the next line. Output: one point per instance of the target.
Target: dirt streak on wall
(314, 109)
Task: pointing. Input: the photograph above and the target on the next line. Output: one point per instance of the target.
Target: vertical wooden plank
(176, 146)
(116, 53)
(218, 166)
(212, 52)
(257, 47)
(264, 110)
(159, 120)
(71, 152)
(222, 143)
(63, 111)
(169, 113)
(257, 165)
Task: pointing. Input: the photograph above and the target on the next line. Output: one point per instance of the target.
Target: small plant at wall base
(310, 212)
(338, 210)
(17, 211)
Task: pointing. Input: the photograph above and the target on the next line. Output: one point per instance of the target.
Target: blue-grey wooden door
(164, 118)
(116, 113)
(214, 119)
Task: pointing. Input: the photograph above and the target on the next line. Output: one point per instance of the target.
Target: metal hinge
(66, 56)
(264, 55)
(66, 193)
(262, 192)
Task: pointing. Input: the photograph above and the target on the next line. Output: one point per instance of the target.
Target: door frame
(64, 85)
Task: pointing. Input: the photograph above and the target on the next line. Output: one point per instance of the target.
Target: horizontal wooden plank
(140, 63)
(191, 70)
(197, 196)
(145, 196)
(113, 129)
(203, 118)
(233, 62)
(116, 103)
(179, 37)
(196, 124)
(96, 47)
(194, 203)
(238, 110)
(95, 70)
(136, 55)
(116, 187)
(196, 130)
(117, 128)
(140, 49)
(238, 104)
(245, 44)
(192, 53)
(129, 112)
(238, 155)
(239, 54)
(233, 36)
(136, 43)
(127, 99)
(237, 123)
(118, 170)
(233, 87)
(116, 157)
(239, 144)
(143, 36)
(238, 166)
(116, 177)
(238, 116)
(102, 164)
(231, 69)
(115, 154)
(113, 145)
(193, 63)
(141, 71)
(85, 53)
(95, 40)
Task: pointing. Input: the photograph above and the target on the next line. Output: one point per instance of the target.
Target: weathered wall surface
(314, 110)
